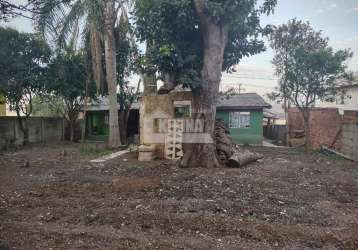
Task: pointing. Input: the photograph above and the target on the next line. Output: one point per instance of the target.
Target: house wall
(252, 135)
(350, 102)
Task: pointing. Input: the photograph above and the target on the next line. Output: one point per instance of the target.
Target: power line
(251, 77)
(252, 85)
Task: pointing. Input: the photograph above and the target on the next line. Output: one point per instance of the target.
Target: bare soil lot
(291, 200)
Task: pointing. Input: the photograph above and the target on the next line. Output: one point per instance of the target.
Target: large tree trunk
(229, 154)
(149, 77)
(204, 106)
(169, 83)
(123, 123)
(110, 57)
(96, 56)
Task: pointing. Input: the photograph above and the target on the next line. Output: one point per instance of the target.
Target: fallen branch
(332, 151)
(241, 158)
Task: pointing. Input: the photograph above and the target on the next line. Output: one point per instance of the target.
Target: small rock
(64, 153)
(35, 194)
(60, 172)
(26, 164)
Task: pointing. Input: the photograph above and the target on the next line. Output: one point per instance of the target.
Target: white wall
(349, 103)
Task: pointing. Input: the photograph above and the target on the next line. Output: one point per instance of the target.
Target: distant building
(243, 114)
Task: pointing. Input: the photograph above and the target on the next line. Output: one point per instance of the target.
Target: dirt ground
(290, 200)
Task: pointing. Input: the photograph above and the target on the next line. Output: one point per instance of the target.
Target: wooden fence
(276, 133)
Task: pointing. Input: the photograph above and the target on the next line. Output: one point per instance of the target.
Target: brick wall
(350, 117)
(325, 125)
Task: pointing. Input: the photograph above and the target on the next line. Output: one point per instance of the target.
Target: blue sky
(338, 20)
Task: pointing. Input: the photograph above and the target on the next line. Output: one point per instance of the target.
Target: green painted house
(243, 115)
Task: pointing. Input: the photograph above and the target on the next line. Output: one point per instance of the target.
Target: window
(182, 109)
(239, 119)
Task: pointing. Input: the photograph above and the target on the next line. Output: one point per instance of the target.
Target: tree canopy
(308, 68)
(172, 29)
(69, 84)
(23, 65)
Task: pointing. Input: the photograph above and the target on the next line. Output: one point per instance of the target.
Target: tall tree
(309, 70)
(196, 40)
(23, 68)
(111, 76)
(100, 19)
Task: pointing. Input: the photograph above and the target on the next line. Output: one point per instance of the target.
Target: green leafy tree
(192, 42)
(68, 85)
(23, 68)
(309, 70)
(46, 107)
